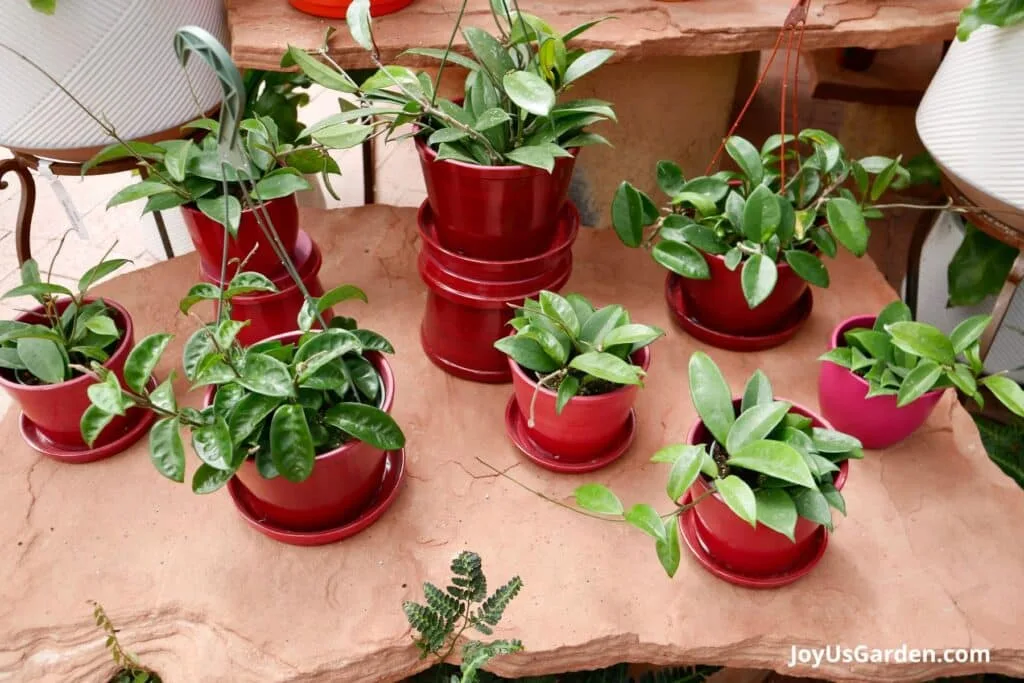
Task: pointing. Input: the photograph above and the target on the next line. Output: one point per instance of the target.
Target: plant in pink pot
(884, 374)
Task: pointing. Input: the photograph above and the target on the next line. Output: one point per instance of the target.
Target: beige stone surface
(262, 29)
(930, 555)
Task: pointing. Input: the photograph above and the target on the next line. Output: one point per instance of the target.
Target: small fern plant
(465, 604)
(129, 669)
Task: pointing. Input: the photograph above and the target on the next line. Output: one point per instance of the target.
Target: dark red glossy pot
(718, 303)
(336, 9)
(56, 409)
(497, 213)
(343, 481)
(877, 421)
(275, 313)
(753, 551)
(208, 237)
(587, 426)
(464, 316)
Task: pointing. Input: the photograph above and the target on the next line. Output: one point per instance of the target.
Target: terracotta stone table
(931, 554)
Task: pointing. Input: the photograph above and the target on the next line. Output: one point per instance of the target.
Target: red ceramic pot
(336, 9)
(465, 315)
(496, 213)
(56, 409)
(718, 303)
(208, 237)
(876, 421)
(587, 426)
(753, 551)
(343, 481)
(274, 313)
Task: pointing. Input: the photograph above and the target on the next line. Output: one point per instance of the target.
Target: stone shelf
(930, 554)
(262, 29)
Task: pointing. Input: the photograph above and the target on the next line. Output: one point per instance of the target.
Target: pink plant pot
(752, 551)
(343, 481)
(876, 421)
(588, 425)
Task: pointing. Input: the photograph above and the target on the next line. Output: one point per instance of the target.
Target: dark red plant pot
(208, 238)
(877, 421)
(498, 213)
(343, 481)
(274, 313)
(753, 551)
(335, 9)
(718, 303)
(56, 409)
(587, 426)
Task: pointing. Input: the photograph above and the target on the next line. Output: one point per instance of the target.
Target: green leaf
(566, 390)
(758, 279)
(208, 479)
(598, 499)
(847, 224)
(733, 258)
(203, 291)
(739, 497)
(37, 289)
(876, 344)
(711, 396)
(529, 91)
(808, 266)
(895, 312)
(535, 156)
(670, 178)
(586, 63)
(968, 332)
(777, 511)
(247, 282)
(267, 376)
(684, 470)
(668, 552)
(212, 443)
(43, 359)
(198, 347)
(225, 210)
(627, 215)
(582, 307)
(761, 215)
(831, 441)
(358, 19)
(142, 359)
(633, 334)
(603, 321)
(176, 157)
(320, 349)
(747, 158)
(607, 367)
(248, 414)
(492, 54)
(923, 340)
(93, 421)
(140, 190)
(757, 392)
(280, 183)
(755, 424)
(102, 325)
(163, 396)
(813, 506)
(291, 444)
(646, 519)
(681, 259)
(979, 268)
(491, 118)
(1007, 392)
(100, 271)
(884, 179)
(556, 307)
(917, 382)
(774, 458)
(318, 72)
(963, 379)
(366, 423)
(166, 450)
(527, 352)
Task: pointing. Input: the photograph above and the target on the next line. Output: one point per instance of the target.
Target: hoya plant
(280, 404)
(795, 198)
(980, 13)
(68, 334)
(902, 358)
(510, 113)
(573, 348)
(770, 465)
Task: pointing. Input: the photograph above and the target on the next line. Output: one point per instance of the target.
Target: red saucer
(689, 527)
(515, 427)
(77, 456)
(301, 258)
(788, 327)
(394, 473)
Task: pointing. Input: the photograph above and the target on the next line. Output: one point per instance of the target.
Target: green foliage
(465, 604)
(978, 269)
(44, 6)
(279, 404)
(752, 218)
(129, 668)
(980, 13)
(902, 358)
(1005, 445)
(70, 333)
(277, 95)
(619, 673)
(571, 346)
(768, 464)
(510, 113)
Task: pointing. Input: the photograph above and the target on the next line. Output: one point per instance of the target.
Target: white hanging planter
(971, 119)
(116, 56)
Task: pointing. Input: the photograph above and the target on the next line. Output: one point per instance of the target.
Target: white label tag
(64, 198)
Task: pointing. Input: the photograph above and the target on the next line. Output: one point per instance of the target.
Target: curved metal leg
(23, 230)
(1002, 306)
(922, 229)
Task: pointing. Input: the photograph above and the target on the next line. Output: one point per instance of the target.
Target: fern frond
(476, 654)
(493, 608)
(432, 627)
(468, 581)
(449, 607)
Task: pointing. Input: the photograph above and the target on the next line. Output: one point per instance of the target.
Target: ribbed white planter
(972, 118)
(116, 56)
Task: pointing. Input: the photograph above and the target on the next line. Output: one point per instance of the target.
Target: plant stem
(447, 50)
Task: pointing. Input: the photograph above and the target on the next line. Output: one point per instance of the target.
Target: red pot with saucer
(51, 413)
(336, 9)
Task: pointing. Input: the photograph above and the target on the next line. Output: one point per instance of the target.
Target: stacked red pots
(269, 313)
